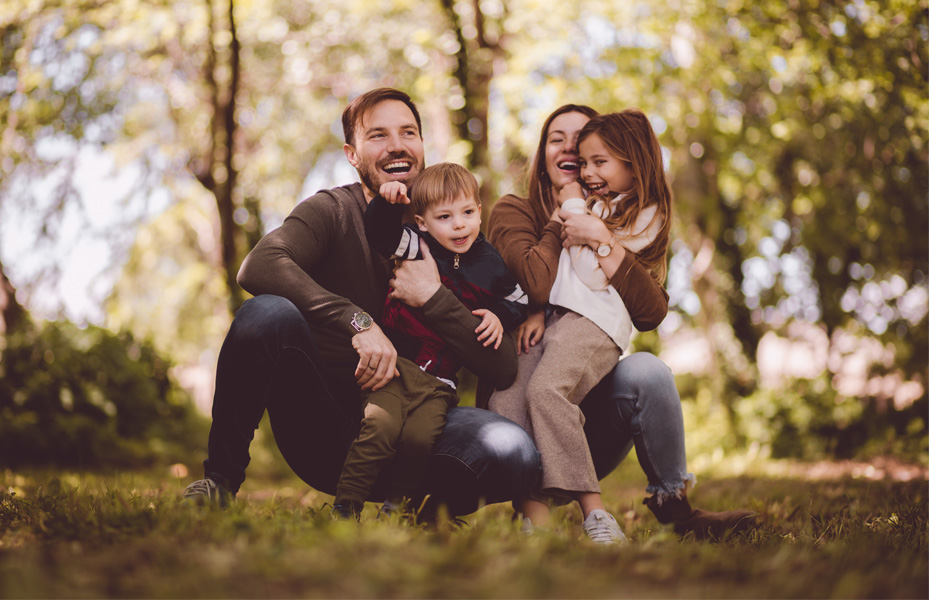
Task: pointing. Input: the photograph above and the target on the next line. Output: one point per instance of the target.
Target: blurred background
(146, 145)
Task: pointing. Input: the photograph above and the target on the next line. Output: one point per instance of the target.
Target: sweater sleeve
(281, 261)
(531, 255)
(387, 233)
(645, 299)
(455, 324)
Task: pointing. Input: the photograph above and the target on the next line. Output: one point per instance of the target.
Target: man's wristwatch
(362, 321)
(605, 248)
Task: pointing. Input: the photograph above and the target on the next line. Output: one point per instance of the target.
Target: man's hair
(442, 182)
(359, 107)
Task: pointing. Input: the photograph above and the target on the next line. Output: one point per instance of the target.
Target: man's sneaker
(207, 491)
(602, 528)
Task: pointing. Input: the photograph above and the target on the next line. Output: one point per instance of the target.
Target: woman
(638, 403)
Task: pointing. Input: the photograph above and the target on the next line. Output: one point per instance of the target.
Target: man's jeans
(270, 362)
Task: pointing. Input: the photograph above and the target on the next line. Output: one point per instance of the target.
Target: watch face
(603, 249)
(363, 321)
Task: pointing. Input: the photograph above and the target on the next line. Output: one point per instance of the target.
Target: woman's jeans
(269, 361)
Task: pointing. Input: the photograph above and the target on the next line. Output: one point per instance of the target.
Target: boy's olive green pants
(401, 422)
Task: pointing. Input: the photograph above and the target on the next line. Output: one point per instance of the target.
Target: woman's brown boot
(703, 523)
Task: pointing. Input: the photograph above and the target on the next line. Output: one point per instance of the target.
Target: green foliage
(132, 537)
(803, 419)
(89, 398)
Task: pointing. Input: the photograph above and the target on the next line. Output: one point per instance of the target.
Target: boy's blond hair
(442, 182)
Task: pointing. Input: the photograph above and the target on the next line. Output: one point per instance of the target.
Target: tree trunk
(474, 72)
(12, 313)
(215, 168)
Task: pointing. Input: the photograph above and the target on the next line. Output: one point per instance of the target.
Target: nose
(394, 143)
(570, 146)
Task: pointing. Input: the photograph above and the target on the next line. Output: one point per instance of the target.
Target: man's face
(455, 225)
(388, 146)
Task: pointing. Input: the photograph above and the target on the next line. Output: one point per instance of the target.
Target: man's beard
(372, 177)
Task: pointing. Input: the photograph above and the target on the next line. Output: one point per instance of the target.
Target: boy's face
(455, 224)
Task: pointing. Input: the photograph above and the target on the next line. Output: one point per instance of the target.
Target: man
(309, 339)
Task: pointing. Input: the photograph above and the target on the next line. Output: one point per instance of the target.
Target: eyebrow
(404, 127)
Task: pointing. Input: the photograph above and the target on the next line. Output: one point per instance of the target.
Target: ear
(421, 223)
(478, 210)
(350, 155)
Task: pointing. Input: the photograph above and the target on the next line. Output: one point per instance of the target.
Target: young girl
(630, 211)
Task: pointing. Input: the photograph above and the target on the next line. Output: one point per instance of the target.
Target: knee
(509, 444)
(643, 371)
(417, 442)
(266, 315)
(380, 425)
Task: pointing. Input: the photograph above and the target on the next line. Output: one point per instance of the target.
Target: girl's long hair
(629, 136)
(540, 184)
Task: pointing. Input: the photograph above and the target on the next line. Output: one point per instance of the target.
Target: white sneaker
(602, 528)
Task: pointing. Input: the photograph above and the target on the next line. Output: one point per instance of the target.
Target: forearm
(530, 253)
(645, 299)
(455, 324)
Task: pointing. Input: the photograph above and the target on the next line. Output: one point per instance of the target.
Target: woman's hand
(583, 229)
(490, 331)
(530, 332)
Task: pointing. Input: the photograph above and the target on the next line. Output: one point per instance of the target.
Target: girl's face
(561, 148)
(602, 172)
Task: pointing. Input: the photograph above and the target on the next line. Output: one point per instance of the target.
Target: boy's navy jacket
(479, 278)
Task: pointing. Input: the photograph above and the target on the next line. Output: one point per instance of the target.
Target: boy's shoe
(602, 528)
(207, 491)
(348, 509)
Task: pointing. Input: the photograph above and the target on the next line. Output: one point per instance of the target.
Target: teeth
(397, 165)
(567, 165)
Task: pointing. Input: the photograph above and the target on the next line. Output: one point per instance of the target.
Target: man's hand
(415, 281)
(530, 331)
(394, 192)
(377, 359)
(490, 330)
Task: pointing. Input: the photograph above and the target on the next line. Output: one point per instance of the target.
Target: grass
(128, 535)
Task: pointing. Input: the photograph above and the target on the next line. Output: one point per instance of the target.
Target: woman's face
(561, 148)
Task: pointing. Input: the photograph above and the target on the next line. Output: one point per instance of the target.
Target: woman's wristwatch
(605, 248)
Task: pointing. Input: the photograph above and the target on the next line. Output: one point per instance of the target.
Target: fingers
(387, 370)
(427, 254)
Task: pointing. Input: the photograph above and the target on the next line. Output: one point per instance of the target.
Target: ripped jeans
(638, 405)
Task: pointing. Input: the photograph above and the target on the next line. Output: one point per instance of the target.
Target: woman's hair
(540, 185)
(629, 136)
(442, 182)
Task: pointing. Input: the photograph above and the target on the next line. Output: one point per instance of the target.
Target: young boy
(402, 419)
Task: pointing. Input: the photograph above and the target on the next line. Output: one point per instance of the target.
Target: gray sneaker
(207, 491)
(602, 528)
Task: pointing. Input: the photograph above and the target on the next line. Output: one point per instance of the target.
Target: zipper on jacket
(457, 257)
